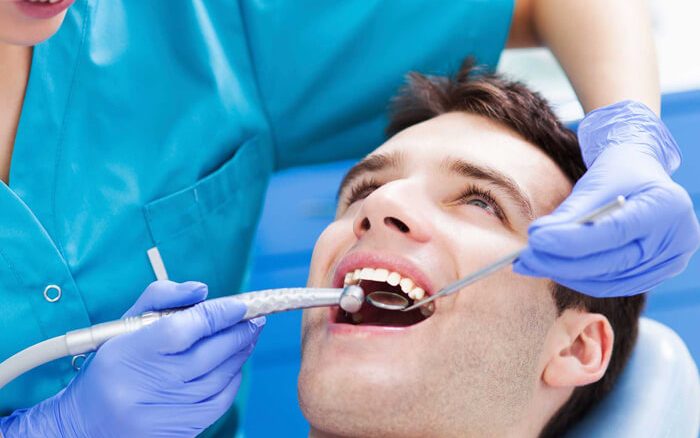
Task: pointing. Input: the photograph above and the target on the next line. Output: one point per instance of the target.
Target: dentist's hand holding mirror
(630, 152)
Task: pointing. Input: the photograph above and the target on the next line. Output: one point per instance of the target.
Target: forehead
(481, 141)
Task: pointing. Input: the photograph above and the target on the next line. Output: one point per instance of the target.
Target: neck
(15, 62)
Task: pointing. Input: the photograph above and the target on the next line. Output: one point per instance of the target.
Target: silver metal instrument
(258, 303)
(85, 340)
(381, 300)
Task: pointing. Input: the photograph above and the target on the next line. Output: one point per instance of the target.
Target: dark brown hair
(476, 91)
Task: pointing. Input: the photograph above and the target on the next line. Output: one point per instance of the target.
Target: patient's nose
(391, 209)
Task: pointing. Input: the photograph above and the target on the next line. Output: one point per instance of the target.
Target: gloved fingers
(589, 193)
(617, 172)
(206, 385)
(653, 210)
(219, 378)
(214, 407)
(626, 286)
(606, 264)
(206, 411)
(209, 353)
(165, 294)
(188, 419)
(179, 331)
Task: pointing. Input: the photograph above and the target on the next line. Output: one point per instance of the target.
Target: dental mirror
(387, 300)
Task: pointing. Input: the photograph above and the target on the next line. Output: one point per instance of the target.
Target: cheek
(494, 362)
(335, 240)
(475, 245)
(311, 325)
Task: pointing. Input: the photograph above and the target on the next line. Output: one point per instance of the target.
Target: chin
(365, 397)
(32, 35)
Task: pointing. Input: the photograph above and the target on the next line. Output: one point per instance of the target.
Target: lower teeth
(427, 309)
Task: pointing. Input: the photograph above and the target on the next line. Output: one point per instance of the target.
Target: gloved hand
(172, 378)
(629, 152)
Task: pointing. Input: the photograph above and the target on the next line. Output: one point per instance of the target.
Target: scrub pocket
(204, 232)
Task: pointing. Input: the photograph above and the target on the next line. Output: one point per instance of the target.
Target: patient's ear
(578, 349)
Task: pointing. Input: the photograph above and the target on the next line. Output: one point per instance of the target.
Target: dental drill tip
(352, 298)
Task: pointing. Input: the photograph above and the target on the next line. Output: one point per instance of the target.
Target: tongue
(370, 315)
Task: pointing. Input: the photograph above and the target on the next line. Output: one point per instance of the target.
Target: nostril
(365, 225)
(392, 221)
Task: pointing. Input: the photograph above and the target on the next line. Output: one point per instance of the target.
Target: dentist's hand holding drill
(174, 377)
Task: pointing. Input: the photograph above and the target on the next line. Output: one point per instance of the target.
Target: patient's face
(433, 211)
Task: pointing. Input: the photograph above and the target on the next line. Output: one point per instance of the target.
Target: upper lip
(365, 259)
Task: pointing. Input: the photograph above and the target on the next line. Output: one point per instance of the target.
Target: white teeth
(418, 293)
(381, 274)
(393, 279)
(406, 285)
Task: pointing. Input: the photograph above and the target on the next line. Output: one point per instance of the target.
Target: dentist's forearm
(605, 46)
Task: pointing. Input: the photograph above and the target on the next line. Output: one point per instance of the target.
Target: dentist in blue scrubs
(137, 142)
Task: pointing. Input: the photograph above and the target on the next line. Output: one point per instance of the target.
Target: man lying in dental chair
(471, 161)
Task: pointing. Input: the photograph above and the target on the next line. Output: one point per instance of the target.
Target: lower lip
(43, 10)
(364, 330)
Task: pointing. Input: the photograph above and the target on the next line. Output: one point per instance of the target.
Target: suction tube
(264, 302)
(32, 357)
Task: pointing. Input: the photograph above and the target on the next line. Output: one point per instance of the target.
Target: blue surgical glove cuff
(628, 122)
(42, 419)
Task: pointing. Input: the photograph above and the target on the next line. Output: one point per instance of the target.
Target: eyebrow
(493, 176)
(393, 160)
(372, 163)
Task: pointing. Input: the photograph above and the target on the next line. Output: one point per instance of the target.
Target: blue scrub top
(156, 124)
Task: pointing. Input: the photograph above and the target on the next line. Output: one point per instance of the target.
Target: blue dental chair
(658, 394)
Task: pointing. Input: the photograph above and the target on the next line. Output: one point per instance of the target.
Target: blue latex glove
(172, 378)
(629, 152)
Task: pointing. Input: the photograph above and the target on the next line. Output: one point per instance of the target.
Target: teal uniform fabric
(157, 125)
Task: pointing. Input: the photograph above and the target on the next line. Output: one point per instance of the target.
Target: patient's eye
(361, 190)
(479, 203)
(481, 198)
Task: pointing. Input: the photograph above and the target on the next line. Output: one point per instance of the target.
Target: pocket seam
(247, 153)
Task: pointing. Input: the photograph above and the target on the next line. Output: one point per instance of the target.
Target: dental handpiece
(264, 302)
(258, 303)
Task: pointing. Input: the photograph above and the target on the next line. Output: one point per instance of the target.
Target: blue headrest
(657, 395)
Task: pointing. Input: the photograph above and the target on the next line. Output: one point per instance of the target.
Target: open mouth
(380, 279)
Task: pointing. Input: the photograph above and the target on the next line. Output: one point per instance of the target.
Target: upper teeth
(384, 275)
